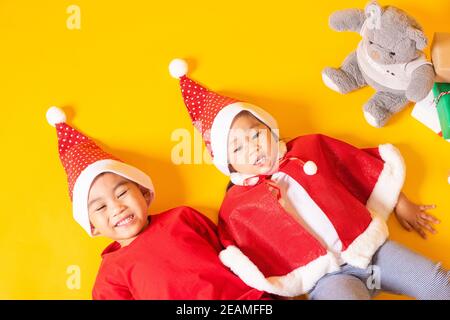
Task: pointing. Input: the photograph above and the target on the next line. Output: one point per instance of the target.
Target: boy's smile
(125, 221)
(118, 208)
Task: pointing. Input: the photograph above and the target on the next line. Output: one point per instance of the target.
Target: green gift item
(441, 92)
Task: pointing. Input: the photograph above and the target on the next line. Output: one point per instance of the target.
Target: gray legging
(394, 269)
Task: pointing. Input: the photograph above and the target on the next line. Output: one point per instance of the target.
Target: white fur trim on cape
(384, 196)
(87, 176)
(221, 128)
(296, 282)
(359, 253)
(242, 179)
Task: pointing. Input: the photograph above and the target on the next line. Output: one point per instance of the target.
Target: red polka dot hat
(83, 161)
(212, 114)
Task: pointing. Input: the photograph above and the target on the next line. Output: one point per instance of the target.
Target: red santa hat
(83, 161)
(212, 114)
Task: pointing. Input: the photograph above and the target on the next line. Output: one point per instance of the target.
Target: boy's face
(118, 208)
(251, 145)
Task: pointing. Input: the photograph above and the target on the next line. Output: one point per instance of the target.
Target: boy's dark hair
(229, 185)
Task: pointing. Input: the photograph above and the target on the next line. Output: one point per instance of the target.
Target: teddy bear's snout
(380, 55)
(375, 55)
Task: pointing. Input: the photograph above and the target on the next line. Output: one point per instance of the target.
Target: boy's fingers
(427, 226)
(405, 225)
(420, 231)
(429, 217)
(427, 207)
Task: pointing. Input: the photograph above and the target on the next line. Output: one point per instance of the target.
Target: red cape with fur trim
(357, 189)
(175, 257)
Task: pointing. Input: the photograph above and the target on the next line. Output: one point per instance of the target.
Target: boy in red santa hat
(309, 216)
(171, 255)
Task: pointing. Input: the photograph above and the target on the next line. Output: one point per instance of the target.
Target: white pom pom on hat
(178, 68)
(55, 115)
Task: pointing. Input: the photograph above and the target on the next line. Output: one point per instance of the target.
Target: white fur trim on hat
(221, 128)
(296, 282)
(178, 68)
(55, 115)
(87, 176)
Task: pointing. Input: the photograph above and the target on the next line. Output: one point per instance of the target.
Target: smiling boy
(171, 255)
(118, 208)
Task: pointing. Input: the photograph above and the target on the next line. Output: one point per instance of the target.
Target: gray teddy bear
(389, 58)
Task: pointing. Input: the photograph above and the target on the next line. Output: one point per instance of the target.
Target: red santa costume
(175, 257)
(324, 204)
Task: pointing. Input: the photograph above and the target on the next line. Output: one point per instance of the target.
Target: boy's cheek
(95, 231)
(97, 225)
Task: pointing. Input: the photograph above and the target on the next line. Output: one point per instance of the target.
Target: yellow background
(111, 77)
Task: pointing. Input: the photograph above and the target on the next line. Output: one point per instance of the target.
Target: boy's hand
(415, 217)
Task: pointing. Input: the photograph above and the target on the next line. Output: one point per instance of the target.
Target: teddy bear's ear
(373, 12)
(418, 36)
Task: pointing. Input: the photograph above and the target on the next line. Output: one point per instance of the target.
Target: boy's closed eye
(255, 136)
(100, 208)
(123, 193)
(237, 149)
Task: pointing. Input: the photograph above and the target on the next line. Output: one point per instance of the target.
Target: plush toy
(389, 58)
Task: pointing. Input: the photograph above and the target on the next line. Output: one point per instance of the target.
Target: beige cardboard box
(440, 55)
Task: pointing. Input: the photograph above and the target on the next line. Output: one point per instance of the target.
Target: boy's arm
(205, 227)
(415, 217)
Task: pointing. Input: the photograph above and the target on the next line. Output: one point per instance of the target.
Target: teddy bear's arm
(347, 20)
(422, 81)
